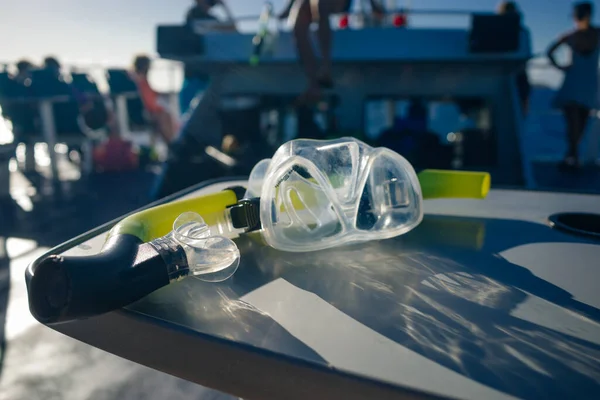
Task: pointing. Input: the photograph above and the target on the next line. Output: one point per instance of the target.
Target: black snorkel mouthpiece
(65, 288)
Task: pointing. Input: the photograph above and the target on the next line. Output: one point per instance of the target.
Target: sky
(112, 31)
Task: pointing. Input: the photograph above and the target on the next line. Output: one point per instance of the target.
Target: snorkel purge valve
(311, 195)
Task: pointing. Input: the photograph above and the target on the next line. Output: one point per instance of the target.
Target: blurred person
(24, 68)
(302, 13)
(200, 13)
(578, 94)
(94, 114)
(417, 115)
(24, 116)
(52, 64)
(523, 85)
(163, 119)
(508, 7)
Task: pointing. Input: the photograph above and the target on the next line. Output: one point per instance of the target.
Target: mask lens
(317, 195)
(339, 161)
(391, 199)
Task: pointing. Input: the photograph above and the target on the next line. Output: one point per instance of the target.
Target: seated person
(52, 64)
(91, 111)
(166, 124)
(303, 13)
(23, 115)
(24, 68)
(417, 115)
(200, 13)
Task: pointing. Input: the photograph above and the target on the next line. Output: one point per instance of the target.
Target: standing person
(201, 13)
(163, 119)
(302, 13)
(579, 92)
(523, 85)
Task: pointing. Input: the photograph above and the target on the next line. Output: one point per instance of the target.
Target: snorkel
(310, 196)
(142, 253)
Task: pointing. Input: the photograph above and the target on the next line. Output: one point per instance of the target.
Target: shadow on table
(442, 291)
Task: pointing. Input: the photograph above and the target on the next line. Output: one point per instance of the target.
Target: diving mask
(320, 194)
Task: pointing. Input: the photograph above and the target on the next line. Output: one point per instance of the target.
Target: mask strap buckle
(245, 214)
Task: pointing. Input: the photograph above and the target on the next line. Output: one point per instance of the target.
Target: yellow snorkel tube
(446, 184)
(148, 250)
(156, 222)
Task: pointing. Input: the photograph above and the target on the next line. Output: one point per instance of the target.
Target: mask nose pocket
(302, 211)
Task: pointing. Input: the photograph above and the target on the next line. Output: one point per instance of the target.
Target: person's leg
(189, 90)
(165, 125)
(325, 9)
(583, 117)
(303, 19)
(570, 122)
(179, 171)
(573, 124)
(186, 94)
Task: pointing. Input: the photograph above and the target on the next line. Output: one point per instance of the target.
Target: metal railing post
(122, 114)
(49, 132)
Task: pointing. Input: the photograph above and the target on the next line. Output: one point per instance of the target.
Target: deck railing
(167, 76)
